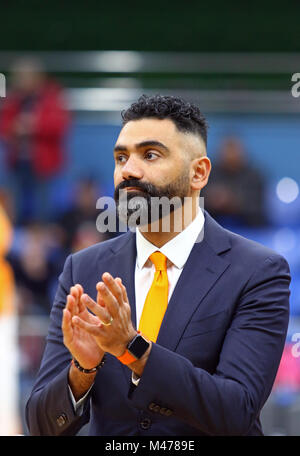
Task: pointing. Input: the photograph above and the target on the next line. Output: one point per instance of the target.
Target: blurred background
(70, 68)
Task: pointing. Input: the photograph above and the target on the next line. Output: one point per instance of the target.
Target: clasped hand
(107, 329)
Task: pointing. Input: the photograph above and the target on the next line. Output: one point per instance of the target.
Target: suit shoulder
(251, 251)
(101, 248)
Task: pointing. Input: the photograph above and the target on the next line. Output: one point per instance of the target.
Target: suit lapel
(123, 266)
(200, 273)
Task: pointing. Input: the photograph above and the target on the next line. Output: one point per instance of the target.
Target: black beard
(177, 189)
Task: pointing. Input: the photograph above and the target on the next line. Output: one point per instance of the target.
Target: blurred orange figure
(9, 418)
(7, 285)
(33, 124)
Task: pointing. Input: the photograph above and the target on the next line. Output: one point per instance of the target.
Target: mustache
(146, 187)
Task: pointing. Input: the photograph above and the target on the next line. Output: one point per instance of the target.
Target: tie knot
(159, 260)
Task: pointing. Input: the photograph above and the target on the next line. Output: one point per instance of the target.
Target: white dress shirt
(177, 251)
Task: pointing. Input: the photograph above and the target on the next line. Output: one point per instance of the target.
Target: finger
(75, 293)
(67, 328)
(93, 329)
(100, 300)
(123, 289)
(99, 311)
(81, 306)
(113, 287)
(110, 301)
(70, 304)
(79, 288)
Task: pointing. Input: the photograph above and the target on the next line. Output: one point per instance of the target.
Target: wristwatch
(135, 349)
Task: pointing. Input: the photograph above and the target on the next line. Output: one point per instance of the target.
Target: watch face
(138, 346)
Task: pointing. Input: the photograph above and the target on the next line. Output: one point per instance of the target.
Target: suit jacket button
(61, 420)
(163, 411)
(151, 406)
(145, 423)
(168, 412)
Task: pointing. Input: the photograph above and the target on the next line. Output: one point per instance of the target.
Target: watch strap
(126, 358)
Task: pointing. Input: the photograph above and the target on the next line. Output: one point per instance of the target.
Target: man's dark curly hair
(186, 116)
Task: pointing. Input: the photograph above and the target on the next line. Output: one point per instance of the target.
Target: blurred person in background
(235, 195)
(7, 202)
(33, 124)
(35, 269)
(286, 397)
(78, 224)
(287, 382)
(9, 417)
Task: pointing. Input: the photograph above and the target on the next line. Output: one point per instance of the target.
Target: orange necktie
(157, 298)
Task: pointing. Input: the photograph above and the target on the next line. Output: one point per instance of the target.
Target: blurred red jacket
(51, 120)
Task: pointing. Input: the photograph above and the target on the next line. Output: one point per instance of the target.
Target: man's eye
(121, 158)
(151, 155)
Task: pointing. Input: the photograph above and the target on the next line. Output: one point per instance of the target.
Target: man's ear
(201, 168)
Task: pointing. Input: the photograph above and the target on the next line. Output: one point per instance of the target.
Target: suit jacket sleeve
(228, 401)
(49, 410)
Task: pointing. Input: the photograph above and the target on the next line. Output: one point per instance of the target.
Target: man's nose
(132, 169)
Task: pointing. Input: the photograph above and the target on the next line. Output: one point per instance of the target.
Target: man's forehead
(140, 130)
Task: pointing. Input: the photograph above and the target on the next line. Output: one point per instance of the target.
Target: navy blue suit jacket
(216, 355)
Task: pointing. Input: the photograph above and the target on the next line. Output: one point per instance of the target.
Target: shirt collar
(177, 250)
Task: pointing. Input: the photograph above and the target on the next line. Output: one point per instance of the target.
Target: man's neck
(157, 233)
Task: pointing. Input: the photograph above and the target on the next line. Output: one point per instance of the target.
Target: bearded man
(176, 328)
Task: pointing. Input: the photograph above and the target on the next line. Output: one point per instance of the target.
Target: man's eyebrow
(152, 143)
(149, 142)
(120, 148)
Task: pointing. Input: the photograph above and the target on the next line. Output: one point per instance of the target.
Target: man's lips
(133, 189)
